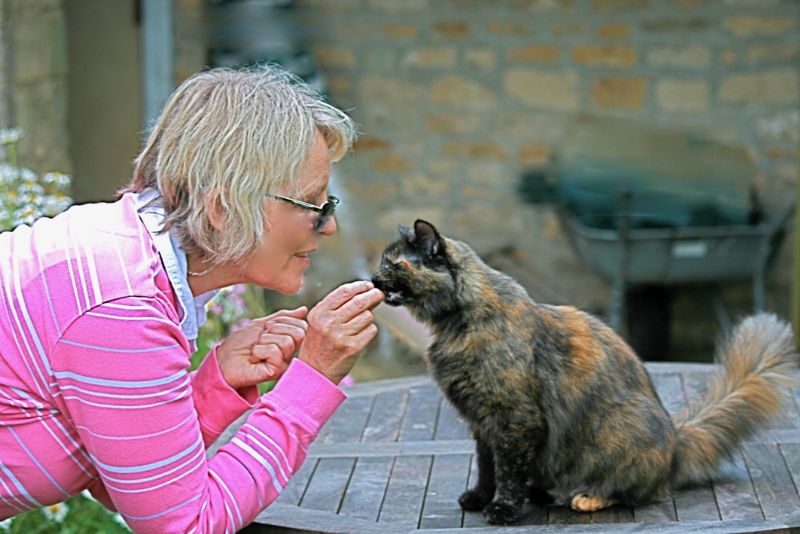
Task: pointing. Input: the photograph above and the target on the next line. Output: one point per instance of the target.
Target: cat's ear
(406, 233)
(427, 239)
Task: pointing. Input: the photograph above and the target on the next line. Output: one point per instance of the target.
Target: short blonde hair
(226, 138)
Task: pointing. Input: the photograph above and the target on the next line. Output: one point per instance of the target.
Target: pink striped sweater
(95, 388)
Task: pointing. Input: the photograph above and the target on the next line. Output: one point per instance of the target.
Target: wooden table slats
(396, 456)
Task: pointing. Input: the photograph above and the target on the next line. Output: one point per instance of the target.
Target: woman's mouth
(304, 256)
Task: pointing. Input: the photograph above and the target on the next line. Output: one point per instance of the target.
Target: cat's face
(416, 270)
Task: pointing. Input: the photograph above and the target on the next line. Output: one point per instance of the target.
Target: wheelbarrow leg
(758, 280)
(618, 290)
(620, 283)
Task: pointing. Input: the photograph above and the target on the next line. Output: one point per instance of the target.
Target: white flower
(30, 188)
(26, 215)
(27, 175)
(10, 135)
(57, 178)
(8, 173)
(56, 512)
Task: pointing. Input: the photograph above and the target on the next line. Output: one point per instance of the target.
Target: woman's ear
(214, 210)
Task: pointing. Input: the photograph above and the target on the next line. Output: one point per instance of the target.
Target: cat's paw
(589, 503)
(473, 500)
(501, 513)
(538, 495)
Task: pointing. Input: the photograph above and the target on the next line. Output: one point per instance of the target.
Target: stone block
(461, 92)
(567, 28)
(534, 53)
(452, 29)
(775, 86)
(758, 25)
(452, 123)
(41, 112)
(765, 53)
(392, 163)
(504, 27)
(327, 5)
(380, 59)
(390, 218)
(443, 167)
(479, 58)
(615, 30)
(534, 154)
(683, 96)
(618, 92)
(474, 150)
(780, 126)
(692, 56)
(543, 6)
(492, 174)
(334, 57)
(544, 89)
(662, 25)
(604, 56)
(370, 142)
(612, 6)
(395, 7)
(390, 91)
(418, 184)
(39, 47)
(443, 57)
(401, 31)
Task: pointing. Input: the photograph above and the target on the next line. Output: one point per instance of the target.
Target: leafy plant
(24, 195)
(231, 308)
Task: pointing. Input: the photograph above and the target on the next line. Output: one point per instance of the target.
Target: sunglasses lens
(325, 213)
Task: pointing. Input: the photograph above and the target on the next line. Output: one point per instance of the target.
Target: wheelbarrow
(652, 207)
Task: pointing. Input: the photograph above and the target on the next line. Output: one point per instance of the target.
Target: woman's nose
(330, 227)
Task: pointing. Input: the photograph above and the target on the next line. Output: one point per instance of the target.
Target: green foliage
(230, 309)
(77, 515)
(25, 196)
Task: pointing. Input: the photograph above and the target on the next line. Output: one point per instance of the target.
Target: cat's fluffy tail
(758, 366)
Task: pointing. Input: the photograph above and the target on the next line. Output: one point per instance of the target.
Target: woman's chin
(290, 287)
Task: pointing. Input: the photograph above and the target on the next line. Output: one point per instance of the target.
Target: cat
(559, 405)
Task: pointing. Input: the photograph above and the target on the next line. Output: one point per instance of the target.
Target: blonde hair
(224, 139)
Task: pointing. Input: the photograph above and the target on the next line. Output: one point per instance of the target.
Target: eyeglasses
(325, 211)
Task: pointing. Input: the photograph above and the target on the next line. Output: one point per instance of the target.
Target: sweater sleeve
(217, 404)
(122, 371)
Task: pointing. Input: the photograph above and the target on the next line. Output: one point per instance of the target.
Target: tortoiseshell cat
(557, 402)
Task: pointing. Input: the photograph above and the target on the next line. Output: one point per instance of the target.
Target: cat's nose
(377, 282)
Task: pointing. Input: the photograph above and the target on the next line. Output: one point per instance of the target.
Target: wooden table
(396, 456)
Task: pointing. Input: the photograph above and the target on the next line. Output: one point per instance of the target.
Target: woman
(101, 306)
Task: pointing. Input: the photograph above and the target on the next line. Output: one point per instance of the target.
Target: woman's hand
(262, 350)
(339, 327)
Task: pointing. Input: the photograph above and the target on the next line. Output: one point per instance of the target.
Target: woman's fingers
(291, 321)
(296, 332)
(297, 313)
(359, 322)
(360, 303)
(343, 294)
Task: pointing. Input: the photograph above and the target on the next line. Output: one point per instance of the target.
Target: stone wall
(35, 81)
(455, 98)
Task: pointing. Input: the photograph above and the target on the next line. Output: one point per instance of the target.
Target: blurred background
(635, 158)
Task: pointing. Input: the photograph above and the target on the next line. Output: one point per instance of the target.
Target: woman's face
(290, 238)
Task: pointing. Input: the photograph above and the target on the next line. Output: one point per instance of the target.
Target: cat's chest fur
(483, 377)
